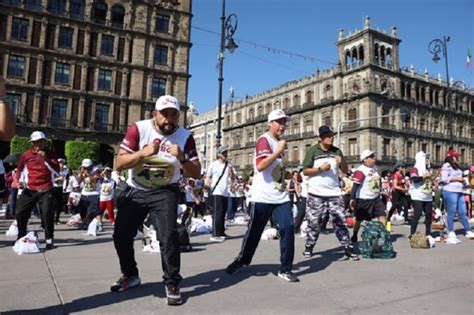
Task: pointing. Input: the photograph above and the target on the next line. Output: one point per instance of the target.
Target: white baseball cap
(365, 154)
(167, 101)
(86, 163)
(277, 114)
(37, 135)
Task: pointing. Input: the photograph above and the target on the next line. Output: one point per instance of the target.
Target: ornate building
(367, 82)
(88, 68)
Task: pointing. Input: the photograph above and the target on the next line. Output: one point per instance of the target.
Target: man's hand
(151, 148)
(325, 166)
(281, 147)
(174, 150)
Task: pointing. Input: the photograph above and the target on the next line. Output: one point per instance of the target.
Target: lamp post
(437, 46)
(228, 28)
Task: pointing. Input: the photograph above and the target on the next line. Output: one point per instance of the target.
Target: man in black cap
(322, 164)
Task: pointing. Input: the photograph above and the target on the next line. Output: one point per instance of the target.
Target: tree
(76, 151)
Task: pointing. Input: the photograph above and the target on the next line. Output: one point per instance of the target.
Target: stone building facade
(367, 82)
(87, 69)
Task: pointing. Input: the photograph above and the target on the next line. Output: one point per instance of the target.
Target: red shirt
(400, 178)
(39, 175)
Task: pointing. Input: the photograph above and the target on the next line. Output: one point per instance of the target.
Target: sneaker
(50, 246)
(288, 276)
(173, 295)
(354, 238)
(470, 235)
(308, 251)
(349, 253)
(125, 283)
(218, 239)
(452, 239)
(233, 267)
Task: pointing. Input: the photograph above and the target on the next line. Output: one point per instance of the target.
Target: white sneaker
(452, 239)
(470, 235)
(218, 239)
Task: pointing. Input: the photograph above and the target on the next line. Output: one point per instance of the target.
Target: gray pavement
(76, 276)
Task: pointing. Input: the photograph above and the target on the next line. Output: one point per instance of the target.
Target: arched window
(327, 92)
(361, 55)
(76, 9)
(296, 100)
(118, 14)
(251, 113)
(347, 56)
(388, 57)
(309, 97)
(268, 108)
(99, 12)
(352, 115)
(376, 53)
(286, 103)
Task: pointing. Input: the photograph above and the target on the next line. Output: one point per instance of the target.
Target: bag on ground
(376, 241)
(269, 234)
(28, 244)
(12, 230)
(419, 240)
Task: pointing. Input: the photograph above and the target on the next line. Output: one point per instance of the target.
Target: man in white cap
(153, 151)
(270, 198)
(219, 176)
(322, 164)
(42, 165)
(365, 197)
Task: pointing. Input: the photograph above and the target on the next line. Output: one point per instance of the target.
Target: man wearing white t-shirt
(270, 197)
(154, 151)
(219, 177)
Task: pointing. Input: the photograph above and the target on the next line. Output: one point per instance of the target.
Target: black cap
(325, 130)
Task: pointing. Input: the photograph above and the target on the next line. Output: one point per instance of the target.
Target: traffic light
(405, 114)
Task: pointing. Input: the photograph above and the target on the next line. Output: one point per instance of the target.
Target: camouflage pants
(319, 207)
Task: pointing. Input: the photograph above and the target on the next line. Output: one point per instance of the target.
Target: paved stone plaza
(76, 276)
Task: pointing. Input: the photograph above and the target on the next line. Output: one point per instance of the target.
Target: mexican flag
(469, 59)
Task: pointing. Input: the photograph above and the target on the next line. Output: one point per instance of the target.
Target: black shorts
(368, 209)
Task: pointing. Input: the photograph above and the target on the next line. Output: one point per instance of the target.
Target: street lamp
(228, 28)
(437, 46)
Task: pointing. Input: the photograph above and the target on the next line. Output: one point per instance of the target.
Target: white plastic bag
(240, 220)
(152, 248)
(74, 198)
(269, 234)
(28, 244)
(74, 221)
(12, 230)
(92, 229)
(397, 219)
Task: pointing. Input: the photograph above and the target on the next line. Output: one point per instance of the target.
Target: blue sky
(310, 28)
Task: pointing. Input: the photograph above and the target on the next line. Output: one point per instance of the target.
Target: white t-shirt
(107, 189)
(163, 168)
(304, 186)
(89, 188)
(422, 191)
(269, 185)
(214, 172)
(370, 182)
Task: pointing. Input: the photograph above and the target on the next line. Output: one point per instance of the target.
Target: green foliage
(19, 144)
(76, 151)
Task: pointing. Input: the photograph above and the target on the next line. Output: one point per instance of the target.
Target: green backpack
(376, 241)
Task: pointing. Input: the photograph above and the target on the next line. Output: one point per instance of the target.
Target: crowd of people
(157, 168)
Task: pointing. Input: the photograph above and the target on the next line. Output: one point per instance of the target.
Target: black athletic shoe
(349, 253)
(308, 251)
(173, 295)
(49, 246)
(288, 276)
(233, 267)
(125, 283)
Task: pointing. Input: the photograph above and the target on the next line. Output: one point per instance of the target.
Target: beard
(167, 129)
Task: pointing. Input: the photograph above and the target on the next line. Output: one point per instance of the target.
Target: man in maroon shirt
(40, 164)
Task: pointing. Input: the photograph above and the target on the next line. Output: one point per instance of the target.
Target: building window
(161, 55)
(99, 12)
(19, 28)
(77, 8)
(295, 155)
(308, 125)
(101, 116)
(14, 101)
(162, 23)
(62, 73)
(386, 147)
(65, 37)
(107, 46)
(296, 100)
(16, 66)
(58, 113)
(328, 120)
(105, 79)
(309, 97)
(158, 87)
(11, 2)
(57, 7)
(34, 5)
(118, 14)
(353, 147)
(286, 103)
